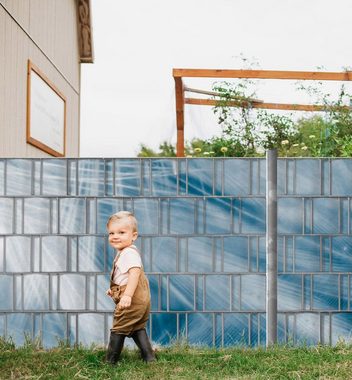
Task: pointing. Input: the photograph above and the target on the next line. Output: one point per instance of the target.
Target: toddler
(129, 288)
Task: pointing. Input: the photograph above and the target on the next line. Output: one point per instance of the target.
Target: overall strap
(117, 256)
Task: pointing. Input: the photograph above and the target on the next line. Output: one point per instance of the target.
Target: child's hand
(125, 302)
(109, 292)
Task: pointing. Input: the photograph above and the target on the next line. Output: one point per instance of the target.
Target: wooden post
(180, 118)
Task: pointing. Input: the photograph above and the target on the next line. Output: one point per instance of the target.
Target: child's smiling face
(121, 234)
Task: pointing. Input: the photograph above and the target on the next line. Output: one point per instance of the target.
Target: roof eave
(85, 31)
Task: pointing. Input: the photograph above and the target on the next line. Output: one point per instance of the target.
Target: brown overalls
(135, 317)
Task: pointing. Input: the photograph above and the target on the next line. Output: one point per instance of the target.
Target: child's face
(121, 234)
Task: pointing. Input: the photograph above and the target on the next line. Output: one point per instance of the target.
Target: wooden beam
(180, 118)
(269, 106)
(263, 74)
(214, 93)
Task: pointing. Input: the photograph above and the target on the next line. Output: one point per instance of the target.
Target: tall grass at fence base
(179, 361)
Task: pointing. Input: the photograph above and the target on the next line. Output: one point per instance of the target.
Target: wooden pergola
(181, 100)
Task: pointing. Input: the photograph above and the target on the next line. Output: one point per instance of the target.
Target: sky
(128, 95)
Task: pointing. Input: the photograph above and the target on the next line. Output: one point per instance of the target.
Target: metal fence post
(271, 247)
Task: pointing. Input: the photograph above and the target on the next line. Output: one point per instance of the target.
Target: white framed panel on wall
(46, 114)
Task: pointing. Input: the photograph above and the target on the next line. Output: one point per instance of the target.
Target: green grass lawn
(178, 362)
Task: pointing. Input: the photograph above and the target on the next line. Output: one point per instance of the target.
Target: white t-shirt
(126, 259)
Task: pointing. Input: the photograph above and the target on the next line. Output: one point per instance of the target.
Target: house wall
(44, 32)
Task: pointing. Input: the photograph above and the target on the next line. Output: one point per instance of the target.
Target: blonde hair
(124, 215)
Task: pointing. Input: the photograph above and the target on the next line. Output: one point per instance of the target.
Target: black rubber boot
(115, 347)
(141, 339)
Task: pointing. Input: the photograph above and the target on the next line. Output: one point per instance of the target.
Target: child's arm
(133, 277)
